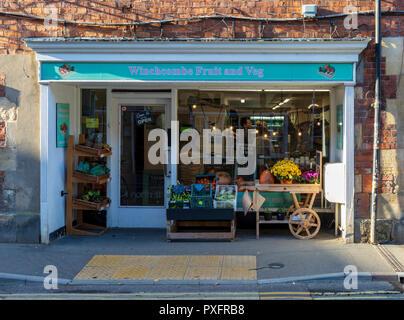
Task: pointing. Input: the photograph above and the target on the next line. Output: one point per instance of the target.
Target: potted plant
(286, 171)
(280, 214)
(267, 214)
(310, 177)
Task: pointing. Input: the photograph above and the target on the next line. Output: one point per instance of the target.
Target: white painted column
(347, 210)
(174, 150)
(44, 92)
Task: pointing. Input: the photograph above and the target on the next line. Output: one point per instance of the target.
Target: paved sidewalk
(289, 257)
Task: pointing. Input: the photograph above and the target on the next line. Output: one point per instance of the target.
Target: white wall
(56, 157)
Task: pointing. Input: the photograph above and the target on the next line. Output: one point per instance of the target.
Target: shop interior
(291, 125)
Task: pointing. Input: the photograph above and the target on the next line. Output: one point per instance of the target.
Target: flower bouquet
(310, 177)
(286, 171)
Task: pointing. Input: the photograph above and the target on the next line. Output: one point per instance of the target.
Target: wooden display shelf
(295, 187)
(83, 229)
(80, 177)
(79, 204)
(202, 218)
(75, 177)
(273, 221)
(82, 150)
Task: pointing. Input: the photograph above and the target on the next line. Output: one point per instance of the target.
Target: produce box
(178, 204)
(226, 197)
(272, 199)
(201, 195)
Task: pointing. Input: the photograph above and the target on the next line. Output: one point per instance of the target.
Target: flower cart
(304, 223)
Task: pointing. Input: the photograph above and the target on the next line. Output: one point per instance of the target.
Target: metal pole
(375, 172)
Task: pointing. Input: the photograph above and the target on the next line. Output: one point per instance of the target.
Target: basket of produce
(225, 197)
(92, 172)
(206, 178)
(179, 196)
(96, 152)
(91, 200)
(201, 195)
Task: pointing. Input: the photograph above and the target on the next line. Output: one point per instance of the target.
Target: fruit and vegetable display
(226, 196)
(93, 196)
(94, 168)
(179, 196)
(206, 179)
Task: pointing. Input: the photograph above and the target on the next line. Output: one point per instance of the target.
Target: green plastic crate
(201, 202)
(203, 198)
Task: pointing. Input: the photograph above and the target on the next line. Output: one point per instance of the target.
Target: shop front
(297, 96)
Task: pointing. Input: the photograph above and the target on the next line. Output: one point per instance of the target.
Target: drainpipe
(376, 140)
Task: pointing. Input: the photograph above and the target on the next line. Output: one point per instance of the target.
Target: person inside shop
(246, 124)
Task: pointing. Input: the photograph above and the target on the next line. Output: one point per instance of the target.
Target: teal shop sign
(197, 71)
(62, 124)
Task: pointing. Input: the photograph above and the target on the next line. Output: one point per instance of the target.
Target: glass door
(142, 184)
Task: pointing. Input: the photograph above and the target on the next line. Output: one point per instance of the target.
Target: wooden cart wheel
(293, 208)
(304, 223)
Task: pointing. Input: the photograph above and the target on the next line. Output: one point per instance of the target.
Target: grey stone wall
(20, 150)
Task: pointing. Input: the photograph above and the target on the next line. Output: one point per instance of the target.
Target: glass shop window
(288, 125)
(94, 114)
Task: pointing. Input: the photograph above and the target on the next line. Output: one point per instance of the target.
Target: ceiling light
(194, 106)
(242, 100)
(299, 133)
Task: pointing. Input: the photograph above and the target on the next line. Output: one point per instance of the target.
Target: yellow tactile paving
(99, 273)
(130, 273)
(199, 273)
(105, 261)
(248, 262)
(166, 272)
(173, 267)
(206, 261)
(231, 273)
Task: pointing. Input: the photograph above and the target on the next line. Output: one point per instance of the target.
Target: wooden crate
(80, 204)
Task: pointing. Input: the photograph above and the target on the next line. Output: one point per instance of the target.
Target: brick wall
(233, 25)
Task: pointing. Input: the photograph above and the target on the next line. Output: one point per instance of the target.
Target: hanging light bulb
(318, 123)
(194, 106)
(265, 136)
(231, 127)
(274, 133)
(299, 133)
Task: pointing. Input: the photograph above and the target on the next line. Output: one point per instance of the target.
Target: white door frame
(133, 216)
